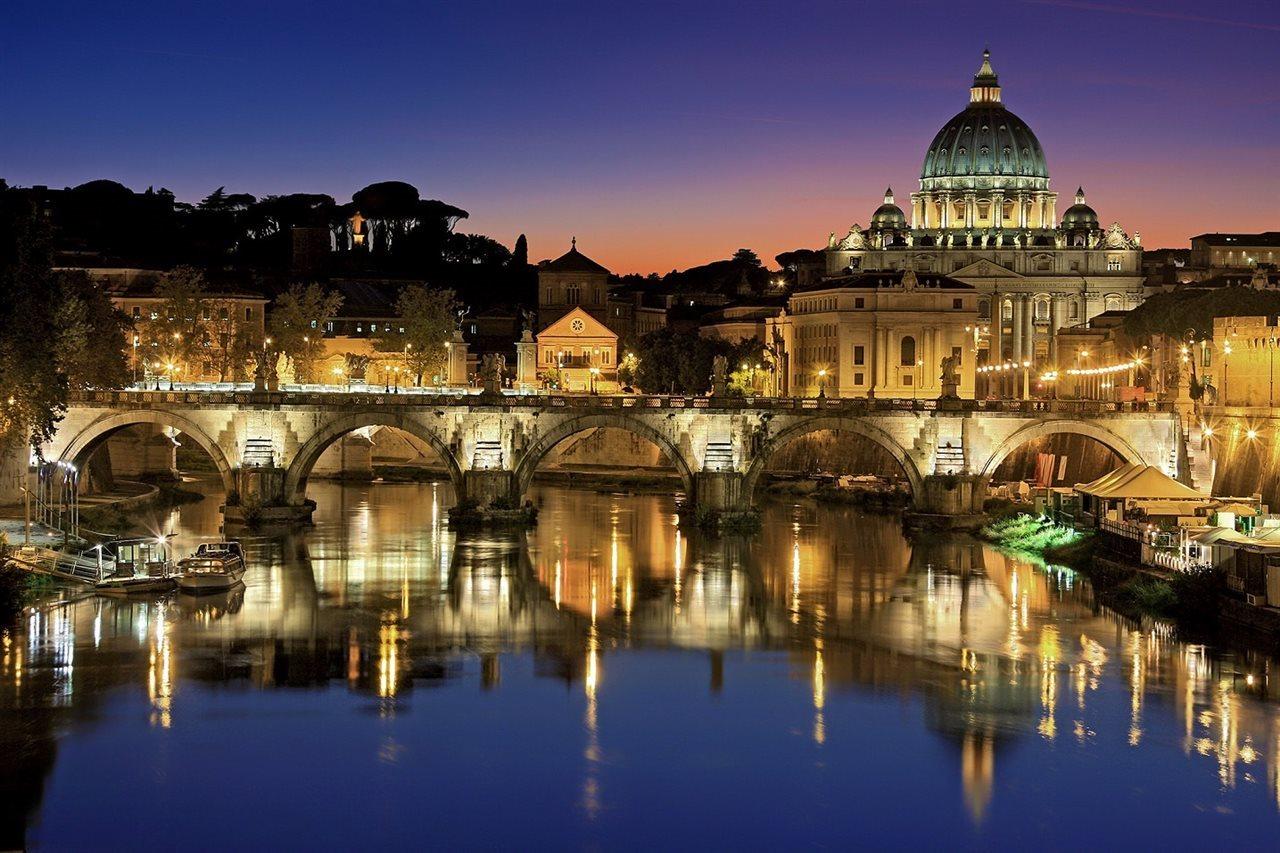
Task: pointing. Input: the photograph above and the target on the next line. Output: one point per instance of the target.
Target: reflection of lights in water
(160, 672)
(1137, 686)
(388, 660)
(559, 580)
(97, 624)
(795, 580)
(590, 684)
(1050, 651)
(678, 562)
(819, 695)
(977, 772)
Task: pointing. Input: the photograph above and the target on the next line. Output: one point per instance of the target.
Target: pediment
(577, 323)
(984, 269)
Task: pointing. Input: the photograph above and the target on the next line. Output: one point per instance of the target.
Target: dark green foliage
(1145, 595)
(1188, 308)
(680, 362)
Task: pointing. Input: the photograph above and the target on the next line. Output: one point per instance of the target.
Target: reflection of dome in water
(984, 140)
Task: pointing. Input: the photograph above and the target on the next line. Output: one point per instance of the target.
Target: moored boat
(140, 567)
(214, 567)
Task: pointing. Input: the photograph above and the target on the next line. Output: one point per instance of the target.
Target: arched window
(1113, 303)
(1042, 310)
(908, 352)
(984, 309)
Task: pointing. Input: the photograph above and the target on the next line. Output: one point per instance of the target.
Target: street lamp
(1226, 351)
(822, 382)
(595, 373)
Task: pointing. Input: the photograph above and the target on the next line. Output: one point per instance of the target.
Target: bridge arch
(1113, 441)
(304, 460)
(847, 423)
(91, 437)
(546, 442)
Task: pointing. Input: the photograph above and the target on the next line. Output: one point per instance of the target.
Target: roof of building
(1264, 238)
(884, 279)
(1138, 482)
(985, 138)
(573, 261)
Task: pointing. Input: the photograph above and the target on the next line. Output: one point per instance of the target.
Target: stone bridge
(265, 445)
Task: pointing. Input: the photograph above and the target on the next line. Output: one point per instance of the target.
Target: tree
(175, 340)
(233, 342)
(680, 362)
(57, 333)
(91, 333)
(297, 326)
(1174, 313)
(520, 254)
(427, 319)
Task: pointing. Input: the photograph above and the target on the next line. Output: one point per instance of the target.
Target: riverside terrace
(265, 444)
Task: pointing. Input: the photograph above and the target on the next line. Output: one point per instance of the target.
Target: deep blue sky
(661, 134)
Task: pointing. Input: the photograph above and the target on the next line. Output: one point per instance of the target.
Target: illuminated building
(984, 215)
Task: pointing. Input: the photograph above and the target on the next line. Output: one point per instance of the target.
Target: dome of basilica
(983, 140)
(1080, 215)
(889, 215)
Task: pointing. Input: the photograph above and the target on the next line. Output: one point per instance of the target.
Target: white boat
(140, 566)
(214, 567)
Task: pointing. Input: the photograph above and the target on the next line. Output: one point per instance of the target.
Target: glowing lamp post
(822, 382)
(595, 374)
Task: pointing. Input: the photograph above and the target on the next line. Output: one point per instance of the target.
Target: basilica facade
(985, 216)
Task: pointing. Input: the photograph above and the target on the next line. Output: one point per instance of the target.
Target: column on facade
(970, 210)
(996, 350)
(1028, 328)
(997, 210)
(915, 211)
(1055, 323)
(1016, 344)
(1022, 210)
(944, 217)
(927, 217)
(886, 339)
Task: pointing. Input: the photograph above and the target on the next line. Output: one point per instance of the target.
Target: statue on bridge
(492, 369)
(719, 376)
(950, 377)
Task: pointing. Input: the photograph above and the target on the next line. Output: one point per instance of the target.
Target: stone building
(985, 215)
(874, 334)
(575, 281)
(582, 350)
(1222, 252)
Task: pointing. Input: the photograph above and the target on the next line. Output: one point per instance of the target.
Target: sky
(661, 135)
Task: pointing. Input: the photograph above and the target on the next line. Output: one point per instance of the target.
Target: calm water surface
(606, 681)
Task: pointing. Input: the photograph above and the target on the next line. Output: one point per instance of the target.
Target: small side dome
(1080, 215)
(888, 216)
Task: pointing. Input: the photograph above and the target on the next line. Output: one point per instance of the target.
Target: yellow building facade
(583, 352)
(881, 334)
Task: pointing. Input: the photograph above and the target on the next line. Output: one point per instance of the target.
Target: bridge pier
(260, 498)
(949, 502)
(487, 486)
(719, 491)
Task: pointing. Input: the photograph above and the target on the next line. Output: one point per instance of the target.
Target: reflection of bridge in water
(994, 647)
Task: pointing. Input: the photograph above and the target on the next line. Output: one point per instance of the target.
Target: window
(1042, 310)
(224, 315)
(858, 378)
(248, 314)
(907, 352)
(548, 299)
(314, 323)
(1206, 356)
(984, 309)
(328, 327)
(1006, 310)
(859, 355)
(572, 294)
(955, 353)
(1113, 265)
(606, 356)
(1075, 310)
(1112, 303)
(137, 313)
(908, 379)
(859, 302)
(957, 304)
(1075, 266)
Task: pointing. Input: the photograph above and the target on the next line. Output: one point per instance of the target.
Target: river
(608, 681)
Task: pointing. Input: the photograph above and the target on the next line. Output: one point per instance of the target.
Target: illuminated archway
(854, 425)
(295, 480)
(89, 439)
(545, 443)
(1109, 439)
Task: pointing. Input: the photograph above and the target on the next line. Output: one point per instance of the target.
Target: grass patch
(1030, 533)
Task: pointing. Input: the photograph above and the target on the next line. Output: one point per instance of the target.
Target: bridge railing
(848, 405)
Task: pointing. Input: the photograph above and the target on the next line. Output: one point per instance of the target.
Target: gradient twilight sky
(662, 134)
